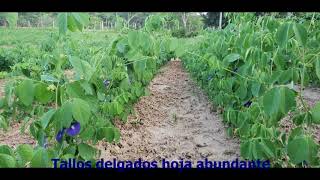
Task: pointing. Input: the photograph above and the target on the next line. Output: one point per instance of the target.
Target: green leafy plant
(248, 70)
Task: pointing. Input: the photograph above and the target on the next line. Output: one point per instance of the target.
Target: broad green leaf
(279, 60)
(255, 88)
(40, 158)
(315, 113)
(317, 67)
(24, 153)
(268, 148)
(71, 23)
(231, 57)
(65, 114)
(2, 102)
(46, 118)
(302, 149)
(271, 101)
(300, 33)
(5, 149)
(82, 68)
(246, 150)
(287, 99)
(81, 111)
(41, 137)
(107, 133)
(139, 66)
(7, 161)
(82, 19)
(3, 123)
(63, 23)
(125, 84)
(133, 39)
(296, 132)
(117, 108)
(42, 94)
(75, 90)
(116, 134)
(85, 151)
(25, 92)
(242, 91)
(71, 149)
(285, 76)
(278, 100)
(48, 78)
(282, 34)
(87, 87)
(88, 133)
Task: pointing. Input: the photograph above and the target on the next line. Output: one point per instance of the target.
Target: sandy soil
(175, 122)
(311, 96)
(2, 86)
(13, 137)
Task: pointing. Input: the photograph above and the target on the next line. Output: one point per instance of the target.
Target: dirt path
(2, 87)
(177, 122)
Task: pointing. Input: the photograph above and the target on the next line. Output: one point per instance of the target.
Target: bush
(5, 61)
(183, 33)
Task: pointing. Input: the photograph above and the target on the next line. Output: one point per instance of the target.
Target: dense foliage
(254, 71)
(250, 70)
(69, 114)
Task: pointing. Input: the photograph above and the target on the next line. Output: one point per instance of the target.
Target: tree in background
(178, 22)
(189, 24)
(212, 19)
(9, 19)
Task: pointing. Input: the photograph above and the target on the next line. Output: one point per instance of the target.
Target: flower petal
(60, 135)
(74, 129)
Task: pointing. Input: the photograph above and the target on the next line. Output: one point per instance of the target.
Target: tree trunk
(41, 24)
(184, 19)
(106, 23)
(220, 21)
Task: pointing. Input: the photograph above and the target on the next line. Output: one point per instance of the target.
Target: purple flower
(106, 83)
(60, 135)
(248, 104)
(74, 129)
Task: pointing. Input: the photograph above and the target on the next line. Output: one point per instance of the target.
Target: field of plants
(248, 91)
(256, 71)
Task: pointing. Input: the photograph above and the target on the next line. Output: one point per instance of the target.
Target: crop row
(250, 70)
(68, 114)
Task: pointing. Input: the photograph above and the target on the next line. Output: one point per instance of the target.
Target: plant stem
(302, 83)
(57, 95)
(311, 22)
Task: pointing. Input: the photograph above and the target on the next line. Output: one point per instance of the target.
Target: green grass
(10, 37)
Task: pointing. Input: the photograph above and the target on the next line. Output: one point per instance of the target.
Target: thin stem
(312, 21)
(57, 95)
(302, 83)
